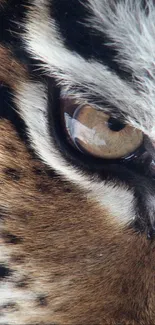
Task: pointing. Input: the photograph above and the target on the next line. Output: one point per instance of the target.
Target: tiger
(77, 162)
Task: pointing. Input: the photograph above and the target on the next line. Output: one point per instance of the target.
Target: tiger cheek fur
(69, 253)
(55, 248)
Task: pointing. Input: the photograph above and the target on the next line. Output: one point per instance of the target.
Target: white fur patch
(32, 104)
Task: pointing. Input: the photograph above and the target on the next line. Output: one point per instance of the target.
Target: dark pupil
(115, 125)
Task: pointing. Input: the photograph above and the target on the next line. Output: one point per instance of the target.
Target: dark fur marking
(71, 17)
(11, 239)
(42, 301)
(25, 216)
(14, 174)
(38, 171)
(43, 187)
(10, 307)
(4, 272)
(12, 17)
(44, 172)
(17, 259)
(10, 147)
(22, 284)
(145, 6)
(2, 214)
(8, 111)
(67, 190)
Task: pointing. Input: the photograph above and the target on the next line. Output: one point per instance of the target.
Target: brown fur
(11, 71)
(82, 269)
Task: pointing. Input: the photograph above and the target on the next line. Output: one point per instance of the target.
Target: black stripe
(12, 18)
(70, 17)
(145, 6)
(4, 271)
(12, 15)
(7, 111)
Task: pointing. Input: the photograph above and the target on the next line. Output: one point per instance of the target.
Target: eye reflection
(82, 133)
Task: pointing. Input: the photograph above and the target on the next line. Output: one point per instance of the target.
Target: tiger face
(77, 166)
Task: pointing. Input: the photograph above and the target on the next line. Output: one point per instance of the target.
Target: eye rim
(73, 110)
(76, 158)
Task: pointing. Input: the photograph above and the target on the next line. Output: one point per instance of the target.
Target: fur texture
(130, 31)
(68, 263)
(70, 253)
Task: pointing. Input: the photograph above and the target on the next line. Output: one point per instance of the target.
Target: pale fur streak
(32, 105)
(132, 34)
(27, 310)
(44, 42)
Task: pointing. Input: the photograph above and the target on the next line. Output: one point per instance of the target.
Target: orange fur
(88, 270)
(63, 250)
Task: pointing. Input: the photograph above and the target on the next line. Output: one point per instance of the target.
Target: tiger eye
(100, 135)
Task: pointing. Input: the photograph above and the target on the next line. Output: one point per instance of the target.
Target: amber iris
(100, 135)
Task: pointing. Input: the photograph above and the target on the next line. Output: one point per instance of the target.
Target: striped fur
(73, 232)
